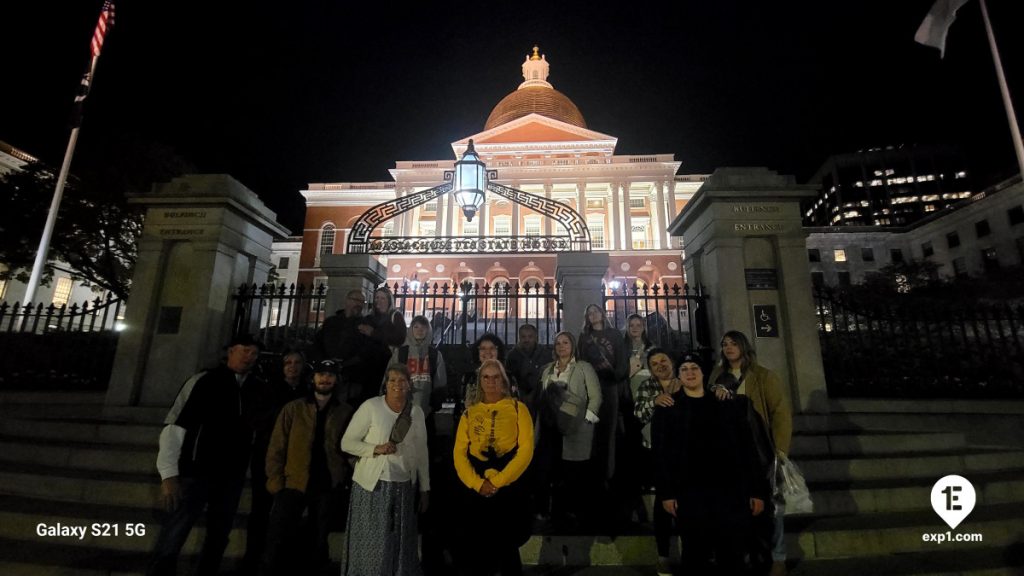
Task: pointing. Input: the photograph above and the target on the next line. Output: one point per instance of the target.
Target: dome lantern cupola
(535, 70)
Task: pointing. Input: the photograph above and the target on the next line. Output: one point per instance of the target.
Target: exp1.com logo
(953, 499)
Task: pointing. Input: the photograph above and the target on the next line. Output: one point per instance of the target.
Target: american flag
(105, 24)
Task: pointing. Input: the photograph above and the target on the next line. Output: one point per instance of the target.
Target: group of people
(573, 436)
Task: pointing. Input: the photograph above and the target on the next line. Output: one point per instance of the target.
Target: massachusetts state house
(537, 141)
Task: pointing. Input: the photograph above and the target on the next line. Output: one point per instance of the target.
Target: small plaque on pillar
(761, 278)
(169, 321)
(766, 322)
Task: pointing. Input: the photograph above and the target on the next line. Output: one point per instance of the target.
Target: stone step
(846, 499)
(863, 444)
(877, 535)
(901, 467)
(982, 560)
(51, 398)
(140, 491)
(109, 458)
(96, 431)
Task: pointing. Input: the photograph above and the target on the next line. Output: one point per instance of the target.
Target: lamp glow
(470, 182)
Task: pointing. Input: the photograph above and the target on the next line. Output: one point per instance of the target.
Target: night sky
(280, 95)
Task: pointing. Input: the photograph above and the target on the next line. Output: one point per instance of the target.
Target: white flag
(936, 24)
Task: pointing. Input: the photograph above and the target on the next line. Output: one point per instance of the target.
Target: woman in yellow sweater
(493, 448)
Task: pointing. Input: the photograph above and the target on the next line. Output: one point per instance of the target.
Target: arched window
(388, 229)
(326, 240)
(499, 295)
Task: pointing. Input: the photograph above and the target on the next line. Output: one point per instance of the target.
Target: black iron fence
(100, 314)
(280, 315)
(59, 347)
(904, 349)
(675, 317)
(460, 314)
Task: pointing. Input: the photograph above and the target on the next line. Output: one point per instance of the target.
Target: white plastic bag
(791, 488)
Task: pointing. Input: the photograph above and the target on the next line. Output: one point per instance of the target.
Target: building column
(400, 220)
(672, 209)
(547, 220)
(627, 240)
(616, 223)
(449, 217)
(515, 213)
(660, 239)
(439, 215)
(481, 228)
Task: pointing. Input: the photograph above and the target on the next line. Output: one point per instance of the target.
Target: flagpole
(1010, 116)
(106, 20)
(58, 194)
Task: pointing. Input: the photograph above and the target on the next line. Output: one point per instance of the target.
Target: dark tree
(97, 230)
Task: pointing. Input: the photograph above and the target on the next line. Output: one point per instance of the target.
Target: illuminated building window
(596, 224)
(471, 228)
(929, 208)
(637, 202)
(62, 292)
(502, 226)
(430, 207)
(427, 228)
(639, 236)
(3, 288)
(326, 240)
(839, 254)
(531, 226)
(318, 305)
(499, 296)
(388, 229)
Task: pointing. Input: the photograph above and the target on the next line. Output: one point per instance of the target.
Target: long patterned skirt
(382, 538)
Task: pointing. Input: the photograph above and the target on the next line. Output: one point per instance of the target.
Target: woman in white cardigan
(389, 436)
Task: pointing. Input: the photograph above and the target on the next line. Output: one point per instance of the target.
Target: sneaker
(663, 568)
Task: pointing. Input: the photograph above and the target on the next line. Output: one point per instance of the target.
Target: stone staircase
(62, 461)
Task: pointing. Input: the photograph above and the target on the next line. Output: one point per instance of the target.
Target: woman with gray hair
(389, 438)
(493, 448)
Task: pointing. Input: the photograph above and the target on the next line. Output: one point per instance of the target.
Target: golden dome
(535, 99)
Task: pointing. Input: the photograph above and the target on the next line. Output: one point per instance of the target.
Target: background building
(891, 186)
(979, 235)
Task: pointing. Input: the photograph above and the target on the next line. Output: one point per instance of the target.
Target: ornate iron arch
(360, 241)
